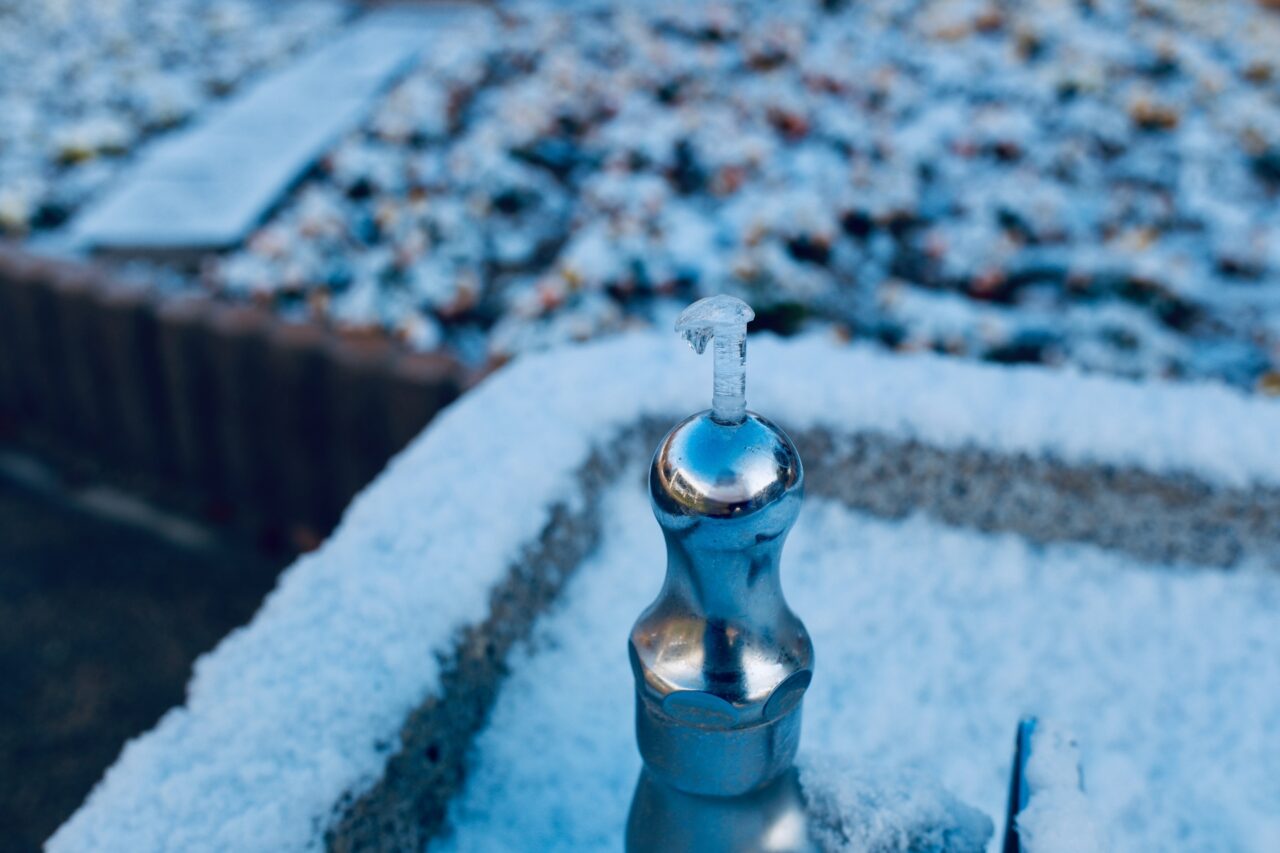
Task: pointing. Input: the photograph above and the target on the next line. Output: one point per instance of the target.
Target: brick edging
(227, 408)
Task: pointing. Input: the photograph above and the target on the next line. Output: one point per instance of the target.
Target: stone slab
(208, 186)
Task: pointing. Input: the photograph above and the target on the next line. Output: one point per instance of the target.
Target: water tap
(721, 663)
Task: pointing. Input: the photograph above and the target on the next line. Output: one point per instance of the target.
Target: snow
(305, 703)
(1206, 430)
(1058, 817)
(930, 643)
(854, 810)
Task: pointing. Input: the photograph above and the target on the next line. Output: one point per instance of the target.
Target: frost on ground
(930, 644)
(1089, 183)
(1058, 817)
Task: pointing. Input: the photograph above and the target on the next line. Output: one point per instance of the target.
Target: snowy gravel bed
(931, 643)
(1093, 183)
(83, 83)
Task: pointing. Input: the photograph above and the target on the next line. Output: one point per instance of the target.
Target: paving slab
(208, 186)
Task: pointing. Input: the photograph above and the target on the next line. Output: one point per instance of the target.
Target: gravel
(1091, 183)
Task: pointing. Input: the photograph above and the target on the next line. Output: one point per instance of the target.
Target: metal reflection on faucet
(721, 663)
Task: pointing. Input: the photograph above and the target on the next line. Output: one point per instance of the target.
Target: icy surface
(931, 643)
(306, 702)
(1058, 817)
(725, 318)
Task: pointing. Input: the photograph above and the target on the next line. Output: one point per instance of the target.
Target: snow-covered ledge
(343, 714)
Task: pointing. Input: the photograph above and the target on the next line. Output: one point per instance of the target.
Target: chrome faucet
(721, 664)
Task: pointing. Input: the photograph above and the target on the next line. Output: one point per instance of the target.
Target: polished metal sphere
(704, 468)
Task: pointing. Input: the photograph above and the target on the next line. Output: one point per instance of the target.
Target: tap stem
(725, 318)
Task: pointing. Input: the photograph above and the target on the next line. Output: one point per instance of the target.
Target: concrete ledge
(344, 714)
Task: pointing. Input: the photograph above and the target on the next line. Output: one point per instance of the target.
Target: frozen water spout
(721, 663)
(724, 318)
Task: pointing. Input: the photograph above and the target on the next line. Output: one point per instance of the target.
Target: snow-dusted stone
(1057, 817)
(451, 663)
(208, 186)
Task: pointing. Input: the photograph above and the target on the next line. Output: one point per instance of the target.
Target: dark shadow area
(99, 625)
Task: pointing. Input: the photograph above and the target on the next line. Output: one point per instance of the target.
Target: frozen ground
(1091, 183)
(931, 643)
(306, 704)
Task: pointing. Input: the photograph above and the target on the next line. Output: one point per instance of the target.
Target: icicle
(725, 318)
